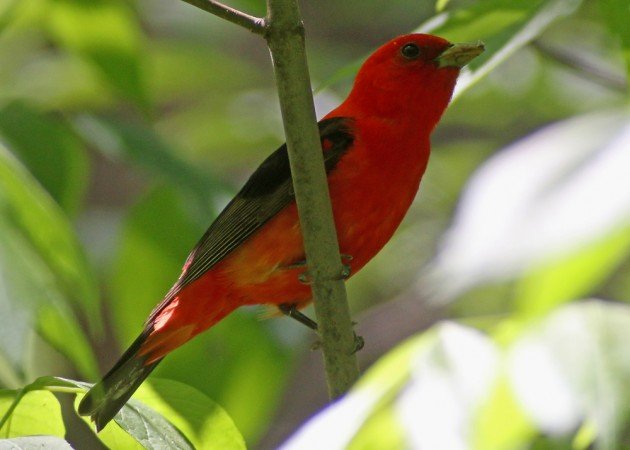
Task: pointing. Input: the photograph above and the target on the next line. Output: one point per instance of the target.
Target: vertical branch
(284, 32)
(285, 37)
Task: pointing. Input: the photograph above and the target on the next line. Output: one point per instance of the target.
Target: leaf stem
(7, 415)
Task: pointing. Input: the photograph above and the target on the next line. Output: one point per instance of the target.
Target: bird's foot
(291, 310)
(306, 278)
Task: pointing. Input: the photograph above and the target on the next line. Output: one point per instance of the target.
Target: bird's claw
(359, 343)
(306, 278)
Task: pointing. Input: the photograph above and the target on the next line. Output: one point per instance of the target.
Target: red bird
(376, 148)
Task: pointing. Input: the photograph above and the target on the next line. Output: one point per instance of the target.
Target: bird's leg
(305, 277)
(291, 310)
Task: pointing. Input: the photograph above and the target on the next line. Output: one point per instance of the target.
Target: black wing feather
(265, 193)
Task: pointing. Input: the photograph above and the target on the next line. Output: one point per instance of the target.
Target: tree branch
(252, 23)
(284, 32)
(285, 37)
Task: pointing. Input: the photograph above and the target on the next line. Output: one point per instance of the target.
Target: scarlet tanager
(376, 148)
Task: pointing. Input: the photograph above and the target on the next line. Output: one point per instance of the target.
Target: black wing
(267, 191)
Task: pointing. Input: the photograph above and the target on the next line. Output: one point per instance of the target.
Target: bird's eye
(410, 51)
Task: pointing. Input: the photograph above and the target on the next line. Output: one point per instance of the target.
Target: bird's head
(411, 75)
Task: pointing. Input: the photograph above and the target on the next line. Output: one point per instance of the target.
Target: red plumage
(377, 148)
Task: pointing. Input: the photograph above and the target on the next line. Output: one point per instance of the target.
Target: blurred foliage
(455, 388)
(126, 125)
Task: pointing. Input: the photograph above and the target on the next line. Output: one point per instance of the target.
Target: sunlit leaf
(500, 422)
(37, 413)
(50, 150)
(204, 423)
(165, 414)
(162, 415)
(572, 276)
(150, 429)
(42, 264)
(546, 196)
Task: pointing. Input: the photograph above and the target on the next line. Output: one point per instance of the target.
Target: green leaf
(47, 145)
(572, 276)
(41, 263)
(106, 33)
(204, 423)
(149, 428)
(500, 423)
(617, 15)
(34, 443)
(38, 412)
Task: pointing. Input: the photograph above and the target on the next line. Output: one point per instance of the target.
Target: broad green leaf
(149, 428)
(38, 412)
(41, 264)
(617, 15)
(164, 414)
(500, 423)
(545, 197)
(140, 145)
(35, 443)
(572, 368)
(204, 423)
(47, 145)
(106, 33)
(380, 431)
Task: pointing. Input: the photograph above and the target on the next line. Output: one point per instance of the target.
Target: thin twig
(252, 23)
(584, 67)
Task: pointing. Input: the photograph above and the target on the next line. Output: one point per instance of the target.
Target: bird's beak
(458, 55)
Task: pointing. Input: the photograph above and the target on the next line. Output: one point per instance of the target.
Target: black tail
(106, 398)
